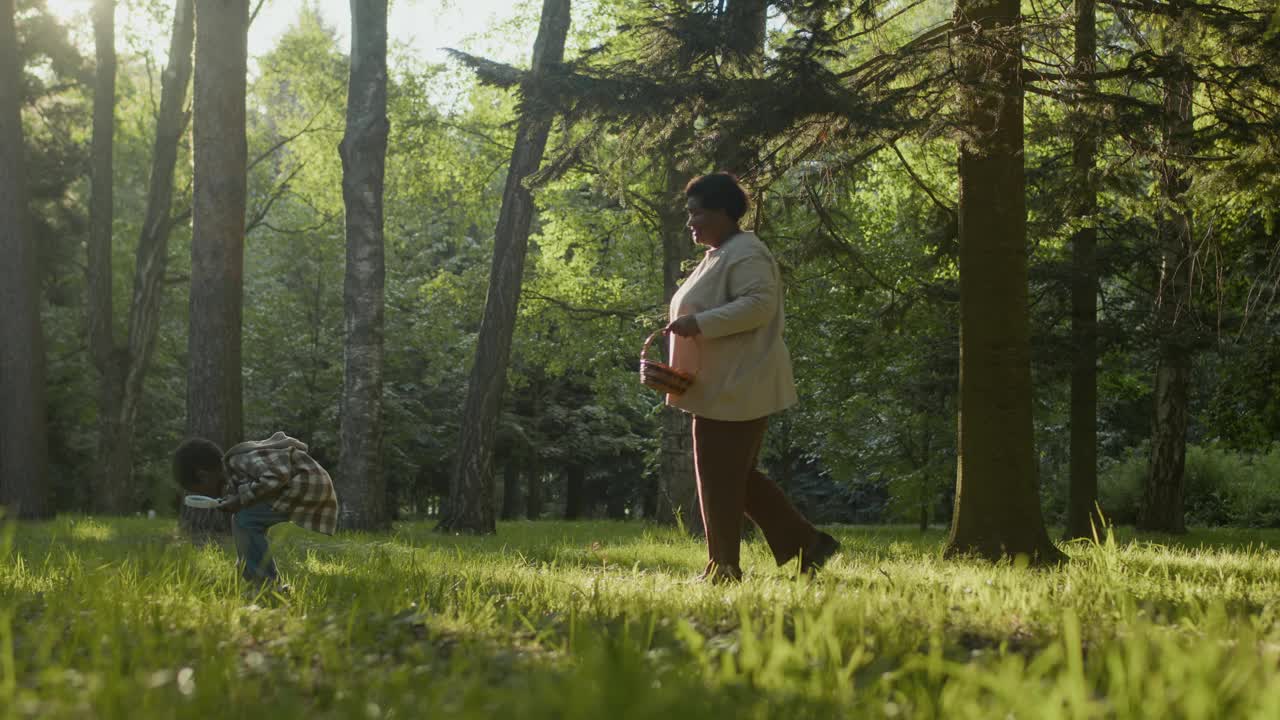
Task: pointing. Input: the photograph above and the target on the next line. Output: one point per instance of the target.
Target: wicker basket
(660, 376)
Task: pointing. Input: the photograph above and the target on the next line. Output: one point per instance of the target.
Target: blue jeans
(249, 528)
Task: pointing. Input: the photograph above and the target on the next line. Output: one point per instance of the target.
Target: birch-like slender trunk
(1082, 516)
(361, 484)
(1162, 503)
(124, 368)
(470, 507)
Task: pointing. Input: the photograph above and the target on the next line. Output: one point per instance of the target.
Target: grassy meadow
(120, 618)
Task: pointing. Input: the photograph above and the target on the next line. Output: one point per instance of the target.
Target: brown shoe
(815, 557)
(721, 574)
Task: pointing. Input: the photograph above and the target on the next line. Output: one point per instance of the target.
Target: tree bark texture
(101, 340)
(214, 387)
(1082, 515)
(362, 486)
(124, 368)
(470, 507)
(152, 255)
(997, 507)
(677, 485)
(1162, 502)
(111, 494)
(24, 462)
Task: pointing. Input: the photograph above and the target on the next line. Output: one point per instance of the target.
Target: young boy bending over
(264, 483)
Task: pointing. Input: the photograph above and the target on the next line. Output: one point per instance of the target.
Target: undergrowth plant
(123, 619)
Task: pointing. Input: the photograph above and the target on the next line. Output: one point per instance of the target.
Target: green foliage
(584, 620)
(1223, 486)
(56, 121)
(848, 129)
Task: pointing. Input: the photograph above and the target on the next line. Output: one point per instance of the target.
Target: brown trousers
(729, 486)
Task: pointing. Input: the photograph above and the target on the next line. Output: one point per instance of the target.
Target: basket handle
(645, 350)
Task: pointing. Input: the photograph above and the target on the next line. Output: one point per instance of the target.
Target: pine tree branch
(919, 182)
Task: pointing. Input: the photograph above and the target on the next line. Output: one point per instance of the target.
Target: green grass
(121, 619)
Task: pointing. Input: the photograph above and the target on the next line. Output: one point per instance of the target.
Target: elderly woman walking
(727, 318)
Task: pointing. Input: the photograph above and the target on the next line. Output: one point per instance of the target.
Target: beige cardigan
(742, 365)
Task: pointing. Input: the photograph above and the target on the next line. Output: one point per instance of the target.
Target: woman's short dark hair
(719, 191)
(192, 455)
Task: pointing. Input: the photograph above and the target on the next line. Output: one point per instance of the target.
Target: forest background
(859, 204)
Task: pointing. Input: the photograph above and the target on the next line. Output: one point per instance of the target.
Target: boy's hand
(228, 505)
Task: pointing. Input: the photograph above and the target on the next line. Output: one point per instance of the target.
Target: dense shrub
(1223, 487)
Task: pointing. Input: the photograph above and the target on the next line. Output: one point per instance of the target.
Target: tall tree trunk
(214, 395)
(677, 492)
(997, 507)
(575, 492)
(649, 497)
(364, 152)
(511, 490)
(124, 368)
(533, 492)
(152, 256)
(927, 496)
(1162, 506)
(470, 491)
(618, 491)
(24, 461)
(112, 491)
(1082, 515)
(677, 485)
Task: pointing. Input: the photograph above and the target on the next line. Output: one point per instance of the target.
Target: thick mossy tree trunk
(1162, 502)
(362, 486)
(997, 506)
(470, 507)
(24, 461)
(1082, 516)
(214, 387)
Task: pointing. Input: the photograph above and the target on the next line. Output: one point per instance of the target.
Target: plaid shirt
(279, 470)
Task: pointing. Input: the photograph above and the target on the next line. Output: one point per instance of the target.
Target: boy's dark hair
(719, 191)
(192, 455)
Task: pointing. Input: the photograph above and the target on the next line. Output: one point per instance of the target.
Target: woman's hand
(684, 326)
